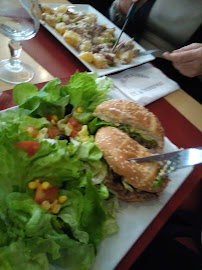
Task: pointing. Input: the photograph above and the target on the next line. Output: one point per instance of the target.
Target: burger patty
(114, 184)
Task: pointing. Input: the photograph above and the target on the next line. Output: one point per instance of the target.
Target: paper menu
(143, 84)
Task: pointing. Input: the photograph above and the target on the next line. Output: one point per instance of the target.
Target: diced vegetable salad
(54, 208)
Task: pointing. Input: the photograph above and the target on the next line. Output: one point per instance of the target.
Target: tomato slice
(49, 194)
(29, 146)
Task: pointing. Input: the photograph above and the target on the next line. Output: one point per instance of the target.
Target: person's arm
(187, 60)
(124, 5)
(119, 10)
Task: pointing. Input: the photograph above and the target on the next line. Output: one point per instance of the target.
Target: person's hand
(187, 60)
(124, 5)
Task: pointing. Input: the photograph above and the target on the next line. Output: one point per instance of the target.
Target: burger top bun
(117, 147)
(121, 111)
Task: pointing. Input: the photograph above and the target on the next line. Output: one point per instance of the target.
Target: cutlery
(142, 53)
(178, 159)
(130, 14)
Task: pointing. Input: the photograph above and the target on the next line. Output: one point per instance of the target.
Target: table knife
(180, 158)
(146, 52)
(130, 14)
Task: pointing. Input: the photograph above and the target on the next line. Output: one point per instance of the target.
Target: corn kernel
(54, 117)
(79, 110)
(45, 205)
(32, 185)
(45, 185)
(62, 199)
(55, 207)
(53, 122)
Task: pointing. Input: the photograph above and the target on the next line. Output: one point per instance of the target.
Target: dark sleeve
(196, 37)
(136, 26)
(101, 5)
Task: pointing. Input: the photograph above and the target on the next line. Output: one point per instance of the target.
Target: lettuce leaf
(87, 92)
(12, 259)
(47, 101)
(84, 90)
(30, 237)
(28, 227)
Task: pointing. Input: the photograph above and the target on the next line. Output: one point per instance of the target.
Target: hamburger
(132, 129)
(138, 122)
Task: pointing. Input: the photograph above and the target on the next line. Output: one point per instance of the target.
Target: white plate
(100, 20)
(134, 218)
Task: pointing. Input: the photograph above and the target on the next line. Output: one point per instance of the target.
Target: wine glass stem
(15, 51)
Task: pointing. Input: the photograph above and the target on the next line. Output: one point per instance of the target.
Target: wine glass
(19, 20)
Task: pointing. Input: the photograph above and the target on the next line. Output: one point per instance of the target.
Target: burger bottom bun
(128, 196)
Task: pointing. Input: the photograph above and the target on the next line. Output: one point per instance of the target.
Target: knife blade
(180, 158)
(131, 12)
(146, 52)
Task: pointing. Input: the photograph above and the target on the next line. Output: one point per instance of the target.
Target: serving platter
(101, 19)
(134, 218)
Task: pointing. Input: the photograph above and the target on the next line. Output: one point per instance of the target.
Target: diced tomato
(29, 146)
(49, 194)
(74, 123)
(48, 116)
(53, 132)
(73, 133)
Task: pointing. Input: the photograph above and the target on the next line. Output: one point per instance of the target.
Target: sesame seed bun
(120, 111)
(117, 147)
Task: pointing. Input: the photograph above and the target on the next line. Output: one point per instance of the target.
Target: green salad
(54, 208)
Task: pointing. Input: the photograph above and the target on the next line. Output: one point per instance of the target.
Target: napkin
(143, 84)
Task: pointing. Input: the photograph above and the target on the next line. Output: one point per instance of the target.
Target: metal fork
(131, 12)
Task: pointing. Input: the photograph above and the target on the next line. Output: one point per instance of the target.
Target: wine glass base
(15, 74)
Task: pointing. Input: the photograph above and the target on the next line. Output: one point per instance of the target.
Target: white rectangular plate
(134, 218)
(100, 20)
